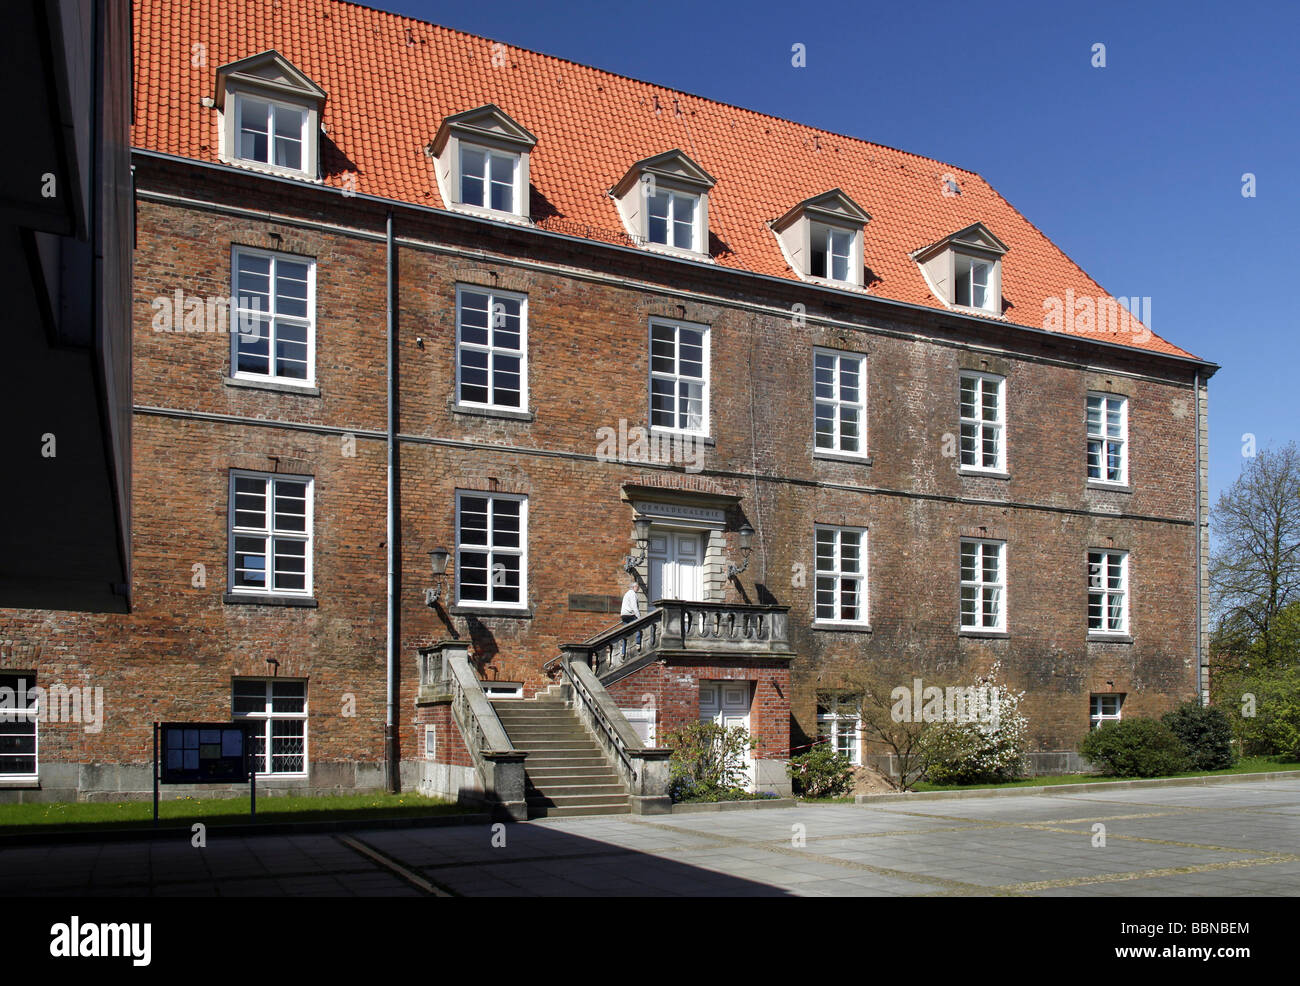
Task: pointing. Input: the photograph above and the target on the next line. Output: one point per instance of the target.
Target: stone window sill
(1109, 487)
(492, 412)
(275, 385)
(493, 611)
(982, 473)
(861, 460)
(266, 599)
(985, 634)
(1110, 638)
(843, 627)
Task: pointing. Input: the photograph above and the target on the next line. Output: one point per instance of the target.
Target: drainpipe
(390, 723)
(1201, 682)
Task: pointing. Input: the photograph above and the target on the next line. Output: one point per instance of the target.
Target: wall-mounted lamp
(438, 562)
(640, 531)
(746, 547)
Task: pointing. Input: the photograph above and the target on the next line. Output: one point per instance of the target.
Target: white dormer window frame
(675, 203)
(832, 249)
(822, 239)
(471, 152)
(652, 198)
(258, 95)
(964, 269)
(489, 180)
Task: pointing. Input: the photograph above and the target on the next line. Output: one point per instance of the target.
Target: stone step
(535, 760)
(567, 789)
(564, 800)
(573, 811)
(587, 774)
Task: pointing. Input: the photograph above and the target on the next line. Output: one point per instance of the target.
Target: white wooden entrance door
(676, 565)
(727, 703)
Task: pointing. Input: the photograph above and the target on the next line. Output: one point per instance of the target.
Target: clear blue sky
(1134, 170)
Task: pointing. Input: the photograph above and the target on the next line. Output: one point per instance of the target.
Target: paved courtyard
(1224, 840)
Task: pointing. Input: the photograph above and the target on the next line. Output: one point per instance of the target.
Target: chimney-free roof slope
(392, 81)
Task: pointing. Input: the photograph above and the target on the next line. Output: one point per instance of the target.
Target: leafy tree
(1255, 572)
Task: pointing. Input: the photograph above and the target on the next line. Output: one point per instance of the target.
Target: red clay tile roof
(391, 80)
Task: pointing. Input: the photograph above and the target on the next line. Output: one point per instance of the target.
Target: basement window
(18, 720)
(277, 710)
(839, 723)
(1104, 709)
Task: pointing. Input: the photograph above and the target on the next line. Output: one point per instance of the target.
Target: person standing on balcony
(631, 606)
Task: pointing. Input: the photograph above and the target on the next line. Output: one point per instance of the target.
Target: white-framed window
(841, 575)
(503, 689)
(491, 549)
(491, 348)
(270, 132)
(277, 707)
(672, 219)
(679, 376)
(983, 584)
(973, 283)
(840, 402)
(840, 722)
(272, 333)
(430, 742)
(489, 178)
(1108, 592)
(270, 533)
(830, 252)
(1104, 709)
(1108, 439)
(19, 717)
(983, 416)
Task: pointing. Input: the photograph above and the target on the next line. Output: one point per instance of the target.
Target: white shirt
(630, 605)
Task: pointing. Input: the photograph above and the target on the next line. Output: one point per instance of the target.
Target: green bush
(708, 761)
(821, 772)
(1135, 748)
(1206, 735)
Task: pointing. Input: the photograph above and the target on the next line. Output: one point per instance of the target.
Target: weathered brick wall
(174, 656)
(673, 691)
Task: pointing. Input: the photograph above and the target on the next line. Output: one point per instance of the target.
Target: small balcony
(675, 628)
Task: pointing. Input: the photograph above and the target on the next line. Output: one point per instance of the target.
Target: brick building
(437, 340)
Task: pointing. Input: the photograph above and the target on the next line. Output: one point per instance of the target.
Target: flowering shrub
(821, 772)
(978, 748)
(708, 761)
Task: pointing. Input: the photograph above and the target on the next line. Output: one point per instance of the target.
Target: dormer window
(831, 252)
(481, 163)
(488, 178)
(821, 238)
(672, 219)
(270, 133)
(971, 288)
(964, 270)
(664, 204)
(270, 115)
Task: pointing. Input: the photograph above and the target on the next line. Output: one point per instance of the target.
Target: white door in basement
(727, 703)
(676, 565)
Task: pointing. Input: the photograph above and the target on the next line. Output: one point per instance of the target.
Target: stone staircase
(566, 772)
